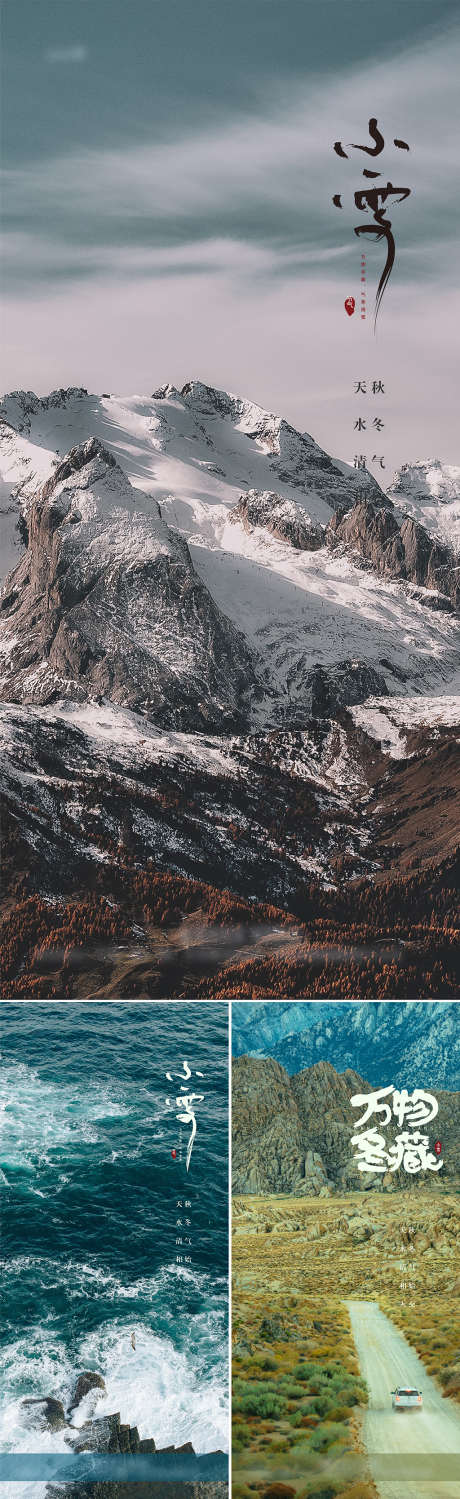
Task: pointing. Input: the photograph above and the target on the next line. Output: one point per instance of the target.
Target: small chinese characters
(375, 198)
(185, 1101)
(183, 1230)
(410, 1150)
(407, 1266)
(368, 423)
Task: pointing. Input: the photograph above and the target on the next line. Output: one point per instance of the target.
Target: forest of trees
(367, 940)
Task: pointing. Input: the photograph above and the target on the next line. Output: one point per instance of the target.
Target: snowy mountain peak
(428, 476)
(106, 603)
(77, 459)
(232, 493)
(19, 406)
(429, 491)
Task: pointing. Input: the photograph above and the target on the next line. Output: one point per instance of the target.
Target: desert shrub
(241, 1436)
(279, 1491)
(325, 1436)
(322, 1493)
(319, 1404)
(256, 1399)
(359, 1491)
(306, 1371)
(264, 1361)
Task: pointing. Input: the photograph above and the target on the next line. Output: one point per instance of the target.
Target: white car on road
(405, 1399)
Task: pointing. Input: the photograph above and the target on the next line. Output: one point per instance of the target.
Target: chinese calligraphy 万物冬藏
(410, 1149)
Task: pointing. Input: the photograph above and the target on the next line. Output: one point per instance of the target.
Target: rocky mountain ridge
(293, 1135)
(106, 603)
(252, 500)
(416, 1042)
(429, 491)
(194, 681)
(404, 550)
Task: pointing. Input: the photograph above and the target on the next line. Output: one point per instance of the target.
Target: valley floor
(320, 1322)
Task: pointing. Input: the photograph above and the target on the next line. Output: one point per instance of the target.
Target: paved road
(386, 1360)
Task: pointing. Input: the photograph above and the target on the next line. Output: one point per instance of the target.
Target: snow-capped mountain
(257, 504)
(429, 491)
(224, 657)
(106, 603)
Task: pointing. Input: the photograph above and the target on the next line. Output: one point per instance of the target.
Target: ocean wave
(174, 1393)
(42, 1121)
(79, 1278)
(40, 1117)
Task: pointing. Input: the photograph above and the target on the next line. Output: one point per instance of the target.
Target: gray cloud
(220, 256)
(75, 53)
(267, 180)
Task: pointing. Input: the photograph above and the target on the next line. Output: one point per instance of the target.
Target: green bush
(306, 1371)
(254, 1398)
(326, 1436)
(319, 1405)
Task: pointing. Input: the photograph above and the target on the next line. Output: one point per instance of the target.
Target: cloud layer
(219, 254)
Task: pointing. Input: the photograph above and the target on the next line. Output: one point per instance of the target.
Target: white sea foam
(39, 1118)
(173, 1385)
(173, 1395)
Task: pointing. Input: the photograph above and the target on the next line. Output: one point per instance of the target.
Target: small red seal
(174, 1154)
(349, 305)
(437, 1147)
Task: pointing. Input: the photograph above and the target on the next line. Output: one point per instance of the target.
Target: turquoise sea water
(90, 1212)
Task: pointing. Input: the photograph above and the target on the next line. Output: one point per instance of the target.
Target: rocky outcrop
(106, 604)
(107, 1434)
(327, 689)
(283, 1141)
(396, 549)
(49, 1411)
(293, 1135)
(283, 518)
(87, 1381)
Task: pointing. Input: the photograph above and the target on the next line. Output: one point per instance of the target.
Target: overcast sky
(169, 175)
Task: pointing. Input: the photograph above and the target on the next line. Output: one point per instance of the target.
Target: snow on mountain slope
(429, 491)
(83, 781)
(196, 452)
(106, 603)
(390, 720)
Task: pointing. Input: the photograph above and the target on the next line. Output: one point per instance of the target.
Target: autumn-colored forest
(393, 938)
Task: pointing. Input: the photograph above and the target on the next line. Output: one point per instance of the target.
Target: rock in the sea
(101, 1435)
(52, 1412)
(87, 1381)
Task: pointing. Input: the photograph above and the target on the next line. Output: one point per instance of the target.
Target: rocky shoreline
(108, 1434)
